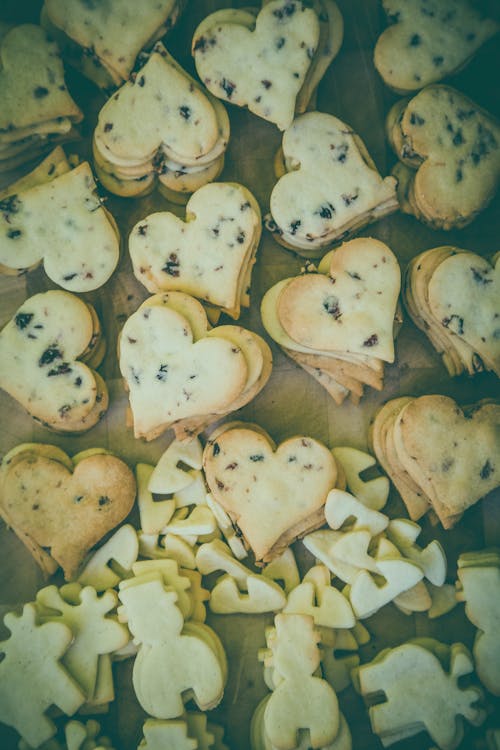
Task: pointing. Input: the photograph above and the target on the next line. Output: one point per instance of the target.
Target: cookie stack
(37, 110)
(56, 217)
(338, 324)
(328, 186)
(450, 156)
(103, 40)
(453, 296)
(47, 351)
(439, 456)
(210, 254)
(290, 44)
(160, 123)
(183, 375)
(273, 494)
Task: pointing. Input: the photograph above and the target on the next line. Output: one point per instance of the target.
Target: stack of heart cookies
(210, 254)
(273, 494)
(47, 352)
(453, 296)
(60, 507)
(439, 456)
(103, 40)
(160, 123)
(37, 110)
(55, 216)
(180, 373)
(338, 324)
(271, 60)
(328, 186)
(450, 156)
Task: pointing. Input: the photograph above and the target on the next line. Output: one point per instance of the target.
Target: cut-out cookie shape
(259, 63)
(59, 513)
(432, 559)
(328, 607)
(37, 110)
(455, 147)
(254, 480)
(328, 186)
(209, 254)
(94, 631)
(119, 553)
(109, 34)
(479, 587)
(160, 123)
(169, 662)
(190, 732)
(341, 507)
(43, 355)
(32, 679)
(54, 165)
(179, 373)
(300, 700)
(464, 336)
(428, 41)
(63, 224)
(373, 492)
(171, 473)
(420, 694)
(367, 597)
(340, 322)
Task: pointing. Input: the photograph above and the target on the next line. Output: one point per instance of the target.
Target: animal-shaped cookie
(455, 147)
(260, 63)
(43, 355)
(428, 40)
(162, 123)
(37, 109)
(328, 185)
(181, 374)
(209, 254)
(108, 36)
(60, 512)
(63, 224)
(273, 494)
(438, 704)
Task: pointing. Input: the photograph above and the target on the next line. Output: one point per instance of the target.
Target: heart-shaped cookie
(273, 494)
(350, 310)
(208, 254)
(64, 513)
(32, 87)
(259, 63)
(331, 186)
(454, 455)
(458, 145)
(110, 31)
(173, 367)
(464, 295)
(161, 121)
(40, 349)
(63, 224)
(428, 41)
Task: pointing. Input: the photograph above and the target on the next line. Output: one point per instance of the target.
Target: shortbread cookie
(61, 512)
(273, 494)
(260, 63)
(160, 121)
(37, 109)
(40, 349)
(208, 254)
(331, 187)
(179, 373)
(63, 224)
(104, 39)
(428, 40)
(452, 295)
(339, 324)
(458, 146)
(54, 165)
